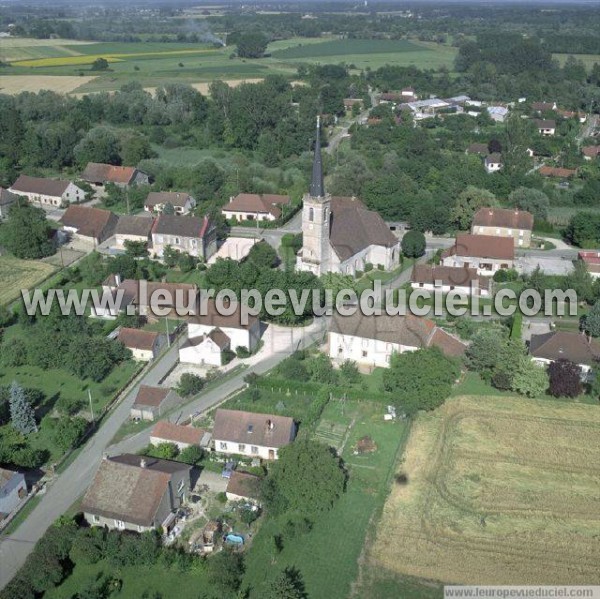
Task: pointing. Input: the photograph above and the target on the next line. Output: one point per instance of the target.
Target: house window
(223, 445)
(241, 448)
(120, 524)
(140, 528)
(311, 214)
(96, 519)
(364, 354)
(254, 449)
(177, 241)
(193, 243)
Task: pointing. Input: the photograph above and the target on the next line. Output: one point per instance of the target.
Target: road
(73, 481)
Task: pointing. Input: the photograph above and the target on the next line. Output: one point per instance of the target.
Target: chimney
(143, 463)
(270, 425)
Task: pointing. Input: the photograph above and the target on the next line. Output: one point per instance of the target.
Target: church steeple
(317, 188)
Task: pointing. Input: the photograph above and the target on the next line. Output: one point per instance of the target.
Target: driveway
(214, 481)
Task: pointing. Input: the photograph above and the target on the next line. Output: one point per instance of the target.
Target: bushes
(190, 384)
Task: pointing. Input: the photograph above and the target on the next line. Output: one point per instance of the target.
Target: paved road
(72, 483)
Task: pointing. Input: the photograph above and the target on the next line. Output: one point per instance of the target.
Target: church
(339, 234)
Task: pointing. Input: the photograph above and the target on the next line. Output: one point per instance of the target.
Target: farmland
(496, 490)
(20, 274)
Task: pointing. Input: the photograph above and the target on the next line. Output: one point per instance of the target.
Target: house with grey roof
(182, 203)
(48, 192)
(339, 234)
(188, 234)
(138, 493)
(132, 228)
(13, 489)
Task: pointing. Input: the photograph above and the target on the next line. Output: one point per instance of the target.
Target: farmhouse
(243, 487)
(486, 253)
(576, 347)
(89, 224)
(591, 259)
(254, 206)
(504, 222)
(132, 228)
(99, 174)
(182, 203)
(340, 234)
(7, 199)
(449, 278)
(47, 192)
(493, 163)
(144, 345)
(252, 434)
(188, 234)
(546, 127)
(13, 489)
(151, 402)
(138, 493)
(371, 340)
(182, 436)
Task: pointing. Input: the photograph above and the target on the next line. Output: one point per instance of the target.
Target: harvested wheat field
(18, 274)
(204, 86)
(62, 84)
(498, 490)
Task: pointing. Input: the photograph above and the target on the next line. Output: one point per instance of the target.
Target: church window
(311, 214)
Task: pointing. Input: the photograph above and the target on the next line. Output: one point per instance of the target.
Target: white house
(254, 206)
(462, 280)
(188, 234)
(493, 163)
(251, 434)
(47, 192)
(183, 203)
(144, 345)
(546, 127)
(486, 253)
(498, 113)
(370, 341)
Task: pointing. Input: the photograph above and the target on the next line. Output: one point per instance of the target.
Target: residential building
(486, 253)
(89, 224)
(493, 163)
(543, 106)
(576, 347)
(151, 402)
(254, 206)
(370, 341)
(590, 152)
(498, 113)
(478, 149)
(340, 234)
(183, 203)
(188, 234)
(546, 127)
(47, 192)
(13, 489)
(504, 222)
(243, 487)
(7, 199)
(423, 109)
(133, 228)
(99, 174)
(144, 345)
(252, 434)
(137, 493)
(180, 435)
(350, 103)
(592, 261)
(449, 278)
(557, 172)
(207, 349)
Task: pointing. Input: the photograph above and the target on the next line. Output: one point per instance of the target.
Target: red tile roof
(177, 433)
(591, 151)
(96, 172)
(483, 246)
(137, 339)
(40, 186)
(503, 217)
(150, 396)
(90, 222)
(257, 203)
(562, 173)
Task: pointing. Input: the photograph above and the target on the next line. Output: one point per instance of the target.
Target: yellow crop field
(15, 84)
(65, 61)
(495, 490)
(20, 274)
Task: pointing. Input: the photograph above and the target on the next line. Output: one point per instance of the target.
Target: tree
(287, 585)
(164, 451)
(100, 64)
(99, 145)
(26, 233)
(565, 378)
(483, 354)
(321, 369)
(349, 372)
(189, 384)
(263, 255)
(191, 455)
(468, 202)
(226, 569)
(136, 249)
(532, 200)
(591, 321)
(69, 431)
(308, 477)
(252, 44)
(529, 378)
(413, 244)
(22, 414)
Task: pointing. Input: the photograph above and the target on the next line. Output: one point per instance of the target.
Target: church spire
(317, 188)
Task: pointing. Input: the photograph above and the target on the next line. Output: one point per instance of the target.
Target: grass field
(560, 215)
(588, 59)
(499, 490)
(18, 274)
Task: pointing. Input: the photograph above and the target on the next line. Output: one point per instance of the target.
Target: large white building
(339, 234)
(47, 192)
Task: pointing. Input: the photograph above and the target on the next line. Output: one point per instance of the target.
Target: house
(350, 103)
(7, 199)
(99, 174)
(557, 172)
(89, 224)
(370, 341)
(423, 109)
(183, 203)
(13, 489)
(144, 345)
(339, 234)
(47, 192)
(486, 253)
(557, 345)
(151, 402)
(252, 434)
(392, 98)
(449, 278)
(590, 152)
(498, 113)
(504, 222)
(543, 106)
(493, 163)
(545, 127)
(478, 149)
(210, 333)
(188, 234)
(182, 436)
(592, 261)
(137, 493)
(243, 487)
(132, 228)
(254, 206)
